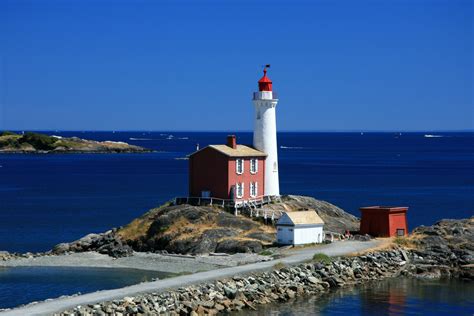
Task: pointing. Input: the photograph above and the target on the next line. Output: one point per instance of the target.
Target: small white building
(299, 228)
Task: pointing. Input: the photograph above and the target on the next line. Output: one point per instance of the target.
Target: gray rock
(231, 293)
(61, 248)
(236, 246)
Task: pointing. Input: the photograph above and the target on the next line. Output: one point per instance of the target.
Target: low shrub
(266, 253)
(279, 265)
(321, 257)
(7, 133)
(38, 141)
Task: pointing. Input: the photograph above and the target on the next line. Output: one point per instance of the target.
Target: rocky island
(35, 143)
(187, 235)
(189, 229)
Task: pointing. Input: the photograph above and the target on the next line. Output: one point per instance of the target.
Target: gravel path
(294, 256)
(141, 261)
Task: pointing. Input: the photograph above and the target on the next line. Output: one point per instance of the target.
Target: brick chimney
(232, 141)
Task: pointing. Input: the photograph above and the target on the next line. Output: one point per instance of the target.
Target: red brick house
(384, 221)
(229, 172)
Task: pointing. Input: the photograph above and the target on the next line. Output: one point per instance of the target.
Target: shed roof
(301, 218)
(240, 151)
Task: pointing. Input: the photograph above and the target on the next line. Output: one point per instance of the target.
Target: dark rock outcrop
(444, 249)
(335, 219)
(106, 243)
(187, 229)
(235, 246)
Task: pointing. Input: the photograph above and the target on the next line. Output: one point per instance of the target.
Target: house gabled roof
(300, 218)
(240, 151)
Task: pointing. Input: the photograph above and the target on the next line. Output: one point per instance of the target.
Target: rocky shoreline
(279, 285)
(444, 250)
(35, 143)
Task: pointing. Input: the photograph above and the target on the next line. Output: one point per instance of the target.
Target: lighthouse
(264, 133)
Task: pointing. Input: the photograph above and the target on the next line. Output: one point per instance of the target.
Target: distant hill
(41, 143)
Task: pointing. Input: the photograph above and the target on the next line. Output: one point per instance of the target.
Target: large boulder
(106, 243)
(236, 246)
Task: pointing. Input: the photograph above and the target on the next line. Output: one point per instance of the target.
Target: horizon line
(245, 131)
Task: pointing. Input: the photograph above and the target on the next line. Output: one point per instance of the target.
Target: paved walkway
(294, 257)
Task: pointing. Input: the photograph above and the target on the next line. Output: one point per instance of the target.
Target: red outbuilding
(384, 221)
(229, 172)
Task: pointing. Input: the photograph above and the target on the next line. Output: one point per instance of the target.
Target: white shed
(299, 228)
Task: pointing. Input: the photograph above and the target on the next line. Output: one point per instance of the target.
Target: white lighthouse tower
(264, 133)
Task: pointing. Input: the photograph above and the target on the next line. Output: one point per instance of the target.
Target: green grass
(279, 265)
(266, 253)
(321, 257)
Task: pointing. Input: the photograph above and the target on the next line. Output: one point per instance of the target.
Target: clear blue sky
(192, 65)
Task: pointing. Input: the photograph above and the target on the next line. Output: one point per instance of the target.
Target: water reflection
(399, 296)
(22, 285)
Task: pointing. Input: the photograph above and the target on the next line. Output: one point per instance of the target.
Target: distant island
(35, 143)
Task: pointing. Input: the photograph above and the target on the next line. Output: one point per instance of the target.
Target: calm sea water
(27, 284)
(48, 199)
(388, 297)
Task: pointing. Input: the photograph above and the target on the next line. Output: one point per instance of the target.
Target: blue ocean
(48, 199)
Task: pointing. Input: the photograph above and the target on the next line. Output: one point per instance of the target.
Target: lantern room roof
(265, 84)
(265, 78)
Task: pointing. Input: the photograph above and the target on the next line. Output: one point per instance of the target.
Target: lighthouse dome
(265, 84)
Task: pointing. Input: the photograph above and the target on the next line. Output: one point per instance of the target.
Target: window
(253, 189)
(291, 229)
(239, 166)
(400, 232)
(240, 190)
(253, 165)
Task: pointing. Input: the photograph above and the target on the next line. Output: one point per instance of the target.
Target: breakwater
(284, 283)
(281, 284)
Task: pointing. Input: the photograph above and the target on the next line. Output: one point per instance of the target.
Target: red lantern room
(265, 84)
(384, 221)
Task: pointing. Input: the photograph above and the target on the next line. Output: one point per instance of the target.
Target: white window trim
(256, 165)
(237, 186)
(237, 166)
(253, 189)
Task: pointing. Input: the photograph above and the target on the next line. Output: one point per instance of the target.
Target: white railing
(193, 200)
(264, 95)
(251, 207)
